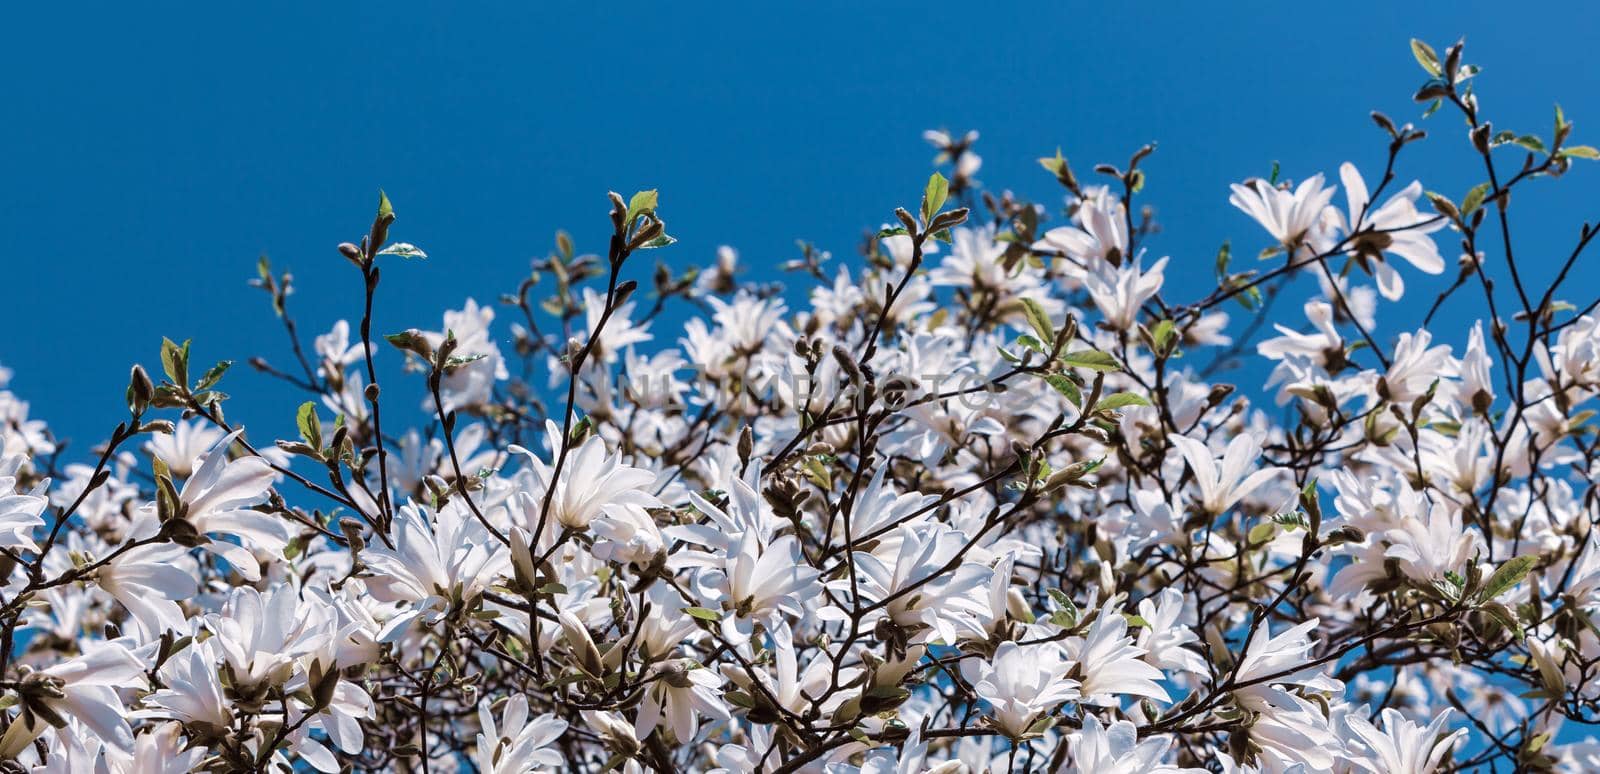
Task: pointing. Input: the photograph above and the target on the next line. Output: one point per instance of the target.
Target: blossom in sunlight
(180, 450)
(1405, 747)
(681, 693)
(217, 500)
(1394, 228)
(1111, 664)
(441, 559)
(593, 482)
(1021, 683)
(1120, 292)
(1294, 218)
(1221, 486)
(470, 384)
(84, 688)
(20, 513)
(517, 744)
(1117, 749)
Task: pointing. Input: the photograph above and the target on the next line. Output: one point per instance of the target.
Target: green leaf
(1162, 335)
(660, 241)
(1261, 533)
(310, 426)
(404, 250)
(1474, 198)
(175, 361)
(1224, 257)
(1065, 386)
(1426, 57)
(1029, 342)
(213, 376)
(385, 209)
(1039, 320)
(933, 197)
(642, 202)
(1507, 575)
(703, 614)
(1530, 142)
(1581, 152)
(1092, 359)
(1119, 400)
(895, 231)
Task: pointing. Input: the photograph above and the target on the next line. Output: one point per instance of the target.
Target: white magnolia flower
(1110, 663)
(441, 559)
(1395, 228)
(1117, 749)
(1292, 218)
(84, 688)
(20, 513)
(1404, 747)
(216, 500)
(517, 744)
(1021, 683)
(181, 449)
(1223, 486)
(593, 483)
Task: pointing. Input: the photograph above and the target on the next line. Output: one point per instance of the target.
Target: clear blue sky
(151, 155)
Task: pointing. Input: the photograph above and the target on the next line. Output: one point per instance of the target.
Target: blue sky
(152, 155)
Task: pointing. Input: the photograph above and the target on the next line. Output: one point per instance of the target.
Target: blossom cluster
(980, 503)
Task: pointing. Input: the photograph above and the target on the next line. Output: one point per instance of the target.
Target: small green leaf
(895, 231)
(1261, 533)
(1092, 359)
(642, 202)
(1426, 57)
(213, 376)
(1581, 152)
(404, 250)
(1507, 575)
(1474, 198)
(1531, 142)
(1065, 386)
(703, 614)
(1162, 335)
(933, 197)
(310, 426)
(1039, 320)
(385, 209)
(1119, 400)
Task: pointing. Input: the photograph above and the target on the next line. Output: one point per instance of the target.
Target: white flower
(517, 745)
(1110, 663)
(439, 560)
(1404, 747)
(592, 483)
(20, 513)
(1022, 682)
(1269, 661)
(1395, 227)
(215, 500)
(679, 692)
(180, 450)
(1117, 749)
(1120, 292)
(1222, 487)
(83, 687)
(1291, 218)
(470, 384)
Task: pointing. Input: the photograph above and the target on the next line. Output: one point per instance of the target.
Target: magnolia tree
(981, 503)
